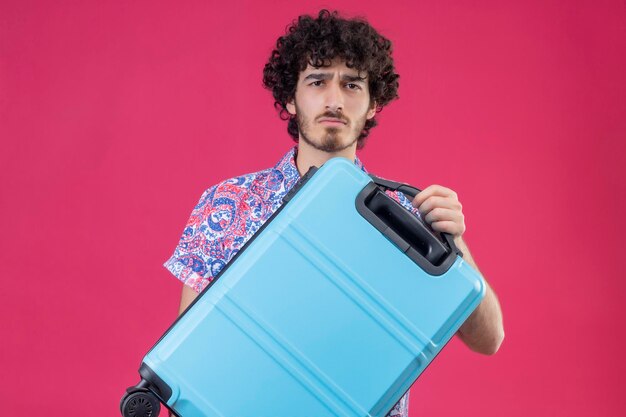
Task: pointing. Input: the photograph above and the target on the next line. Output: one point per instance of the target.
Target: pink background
(115, 116)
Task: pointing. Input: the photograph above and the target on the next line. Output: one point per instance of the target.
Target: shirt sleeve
(200, 254)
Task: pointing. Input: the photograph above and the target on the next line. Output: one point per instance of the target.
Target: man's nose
(334, 97)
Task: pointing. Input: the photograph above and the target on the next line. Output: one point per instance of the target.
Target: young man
(329, 77)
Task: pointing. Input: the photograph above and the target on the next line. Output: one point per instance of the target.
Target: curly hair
(316, 42)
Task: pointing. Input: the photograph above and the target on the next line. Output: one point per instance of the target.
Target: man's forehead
(336, 66)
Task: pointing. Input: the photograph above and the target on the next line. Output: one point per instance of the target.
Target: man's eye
(353, 86)
(317, 83)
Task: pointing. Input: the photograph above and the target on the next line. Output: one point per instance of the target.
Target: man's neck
(308, 156)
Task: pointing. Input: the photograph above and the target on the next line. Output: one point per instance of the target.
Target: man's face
(331, 106)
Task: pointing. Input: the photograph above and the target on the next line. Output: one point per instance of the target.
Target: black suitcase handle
(411, 192)
(414, 237)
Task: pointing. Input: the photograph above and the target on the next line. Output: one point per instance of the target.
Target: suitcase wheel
(140, 404)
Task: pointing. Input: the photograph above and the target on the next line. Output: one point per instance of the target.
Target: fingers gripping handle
(411, 192)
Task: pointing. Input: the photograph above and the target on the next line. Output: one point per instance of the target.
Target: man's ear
(291, 107)
(372, 111)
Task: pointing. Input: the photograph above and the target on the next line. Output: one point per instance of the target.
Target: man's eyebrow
(328, 75)
(319, 76)
(352, 78)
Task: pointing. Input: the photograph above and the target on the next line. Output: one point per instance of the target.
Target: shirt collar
(287, 165)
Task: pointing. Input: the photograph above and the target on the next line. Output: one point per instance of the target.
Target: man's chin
(332, 146)
(331, 143)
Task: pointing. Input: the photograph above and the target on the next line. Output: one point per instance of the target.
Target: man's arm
(483, 331)
(187, 296)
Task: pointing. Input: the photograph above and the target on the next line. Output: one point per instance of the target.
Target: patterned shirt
(228, 214)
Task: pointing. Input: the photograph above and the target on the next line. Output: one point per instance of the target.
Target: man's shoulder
(243, 182)
(242, 185)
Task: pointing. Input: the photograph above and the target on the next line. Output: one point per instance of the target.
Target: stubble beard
(330, 141)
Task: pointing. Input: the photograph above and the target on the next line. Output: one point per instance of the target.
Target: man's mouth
(332, 121)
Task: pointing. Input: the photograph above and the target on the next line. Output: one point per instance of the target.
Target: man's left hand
(440, 207)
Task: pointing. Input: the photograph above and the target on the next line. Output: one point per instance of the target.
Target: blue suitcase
(333, 308)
